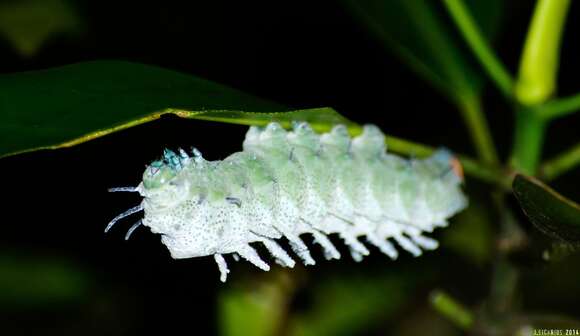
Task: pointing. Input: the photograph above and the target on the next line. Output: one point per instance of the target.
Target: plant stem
(468, 28)
(407, 147)
(503, 289)
(537, 81)
(559, 107)
(540, 57)
(529, 137)
(561, 163)
(479, 130)
(504, 282)
(451, 309)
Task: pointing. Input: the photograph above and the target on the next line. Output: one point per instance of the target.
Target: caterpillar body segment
(289, 184)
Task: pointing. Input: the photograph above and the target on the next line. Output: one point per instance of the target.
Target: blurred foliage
(256, 307)
(27, 24)
(451, 309)
(425, 40)
(345, 304)
(471, 236)
(32, 282)
(341, 303)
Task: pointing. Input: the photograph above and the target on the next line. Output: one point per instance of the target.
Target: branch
(561, 163)
(559, 107)
(537, 81)
(479, 130)
(468, 28)
(528, 141)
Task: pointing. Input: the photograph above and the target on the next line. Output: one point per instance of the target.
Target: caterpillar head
(184, 203)
(164, 184)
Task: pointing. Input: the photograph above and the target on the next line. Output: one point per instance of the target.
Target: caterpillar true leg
(385, 246)
(222, 266)
(425, 242)
(247, 252)
(356, 256)
(357, 249)
(330, 252)
(281, 257)
(123, 215)
(416, 236)
(299, 248)
(407, 245)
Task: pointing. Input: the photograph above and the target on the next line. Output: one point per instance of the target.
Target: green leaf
(549, 211)
(425, 39)
(69, 105)
(27, 24)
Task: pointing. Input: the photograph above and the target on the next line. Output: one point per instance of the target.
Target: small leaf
(426, 41)
(65, 106)
(549, 211)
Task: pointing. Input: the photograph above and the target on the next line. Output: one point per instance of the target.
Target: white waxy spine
(287, 184)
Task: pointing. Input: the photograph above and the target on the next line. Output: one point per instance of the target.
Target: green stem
(540, 57)
(468, 28)
(503, 290)
(529, 137)
(504, 281)
(402, 146)
(479, 130)
(452, 310)
(472, 167)
(537, 81)
(559, 107)
(561, 163)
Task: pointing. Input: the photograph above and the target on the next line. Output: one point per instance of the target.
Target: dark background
(299, 53)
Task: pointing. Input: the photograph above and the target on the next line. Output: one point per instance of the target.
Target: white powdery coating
(286, 184)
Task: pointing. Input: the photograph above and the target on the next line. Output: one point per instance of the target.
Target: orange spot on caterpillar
(457, 167)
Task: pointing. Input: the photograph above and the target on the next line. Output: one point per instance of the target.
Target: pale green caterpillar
(286, 184)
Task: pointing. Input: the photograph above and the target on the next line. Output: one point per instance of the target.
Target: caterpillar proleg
(290, 184)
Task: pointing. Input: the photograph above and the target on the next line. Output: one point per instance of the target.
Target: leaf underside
(65, 106)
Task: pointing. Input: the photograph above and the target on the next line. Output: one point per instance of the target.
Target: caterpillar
(285, 184)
